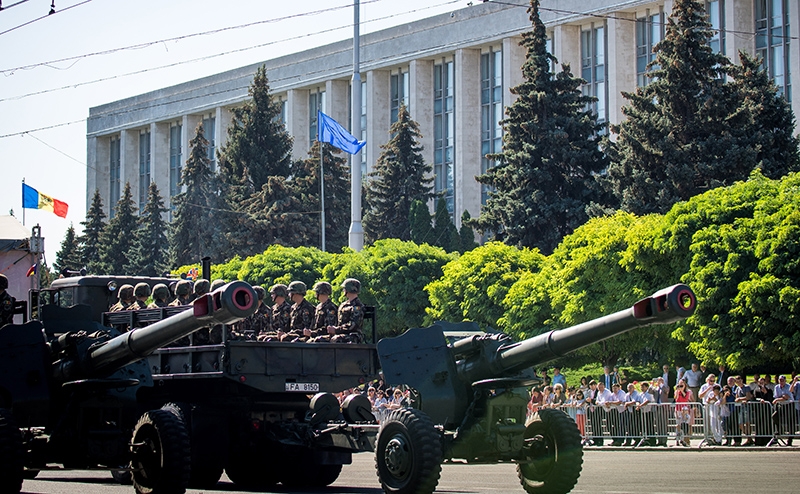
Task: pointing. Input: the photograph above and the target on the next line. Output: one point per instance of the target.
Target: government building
(454, 73)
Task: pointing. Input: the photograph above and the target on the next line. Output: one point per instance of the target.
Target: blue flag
(329, 130)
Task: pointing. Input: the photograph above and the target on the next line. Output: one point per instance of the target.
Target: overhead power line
(52, 11)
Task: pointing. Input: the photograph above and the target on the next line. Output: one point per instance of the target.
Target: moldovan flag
(33, 199)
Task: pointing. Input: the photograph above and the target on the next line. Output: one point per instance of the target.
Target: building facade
(454, 72)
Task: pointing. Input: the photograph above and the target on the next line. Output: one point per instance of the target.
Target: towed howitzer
(474, 390)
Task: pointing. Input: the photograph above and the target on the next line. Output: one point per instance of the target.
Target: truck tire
(408, 453)
(206, 469)
(12, 455)
(161, 454)
(555, 458)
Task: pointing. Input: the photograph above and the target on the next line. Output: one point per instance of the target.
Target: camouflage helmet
(3, 282)
(260, 292)
(160, 292)
(280, 290)
(125, 292)
(297, 287)
(183, 288)
(323, 288)
(142, 290)
(351, 285)
(201, 287)
(216, 284)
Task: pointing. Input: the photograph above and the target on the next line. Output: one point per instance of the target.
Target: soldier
(281, 313)
(351, 315)
(201, 287)
(259, 323)
(126, 298)
(183, 292)
(142, 293)
(6, 303)
(160, 296)
(216, 284)
(326, 313)
(302, 314)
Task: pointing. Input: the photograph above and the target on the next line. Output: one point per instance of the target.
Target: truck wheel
(11, 453)
(554, 454)
(161, 454)
(206, 469)
(408, 453)
(122, 477)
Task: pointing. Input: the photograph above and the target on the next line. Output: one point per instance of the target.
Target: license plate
(303, 387)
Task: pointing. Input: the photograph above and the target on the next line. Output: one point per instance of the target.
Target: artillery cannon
(71, 393)
(473, 398)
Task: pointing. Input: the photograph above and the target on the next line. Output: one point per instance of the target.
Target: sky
(55, 67)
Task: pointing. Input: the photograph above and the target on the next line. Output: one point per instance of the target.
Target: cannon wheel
(555, 457)
(408, 453)
(11, 453)
(161, 454)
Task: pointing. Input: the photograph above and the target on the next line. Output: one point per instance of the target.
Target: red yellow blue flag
(33, 199)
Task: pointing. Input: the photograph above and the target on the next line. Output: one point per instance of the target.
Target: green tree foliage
(194, 232)
(545, 176)
(93, 227)
(400, 177)
(420, 221)
(305, 184)
(150, 248)
(118, 234)
(69, 256)
(466, 234)
(279, 264)
(474, 286)
(445, 234)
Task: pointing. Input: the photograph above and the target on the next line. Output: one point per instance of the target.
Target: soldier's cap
(297, 287)
(323, 288)
(125, 292)
(260, 292)
(183, 288)
(201, 287)
(351, 285)
(216, 284)
(280, 290)
(142, 290)
(160, 291)
(3, 282)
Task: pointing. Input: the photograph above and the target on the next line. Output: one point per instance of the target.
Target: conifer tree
(150, 246)
(400, 177)
(466, 234)
(676, 141)
(194, 230)
(444, 231)
(544, 178)
(93, 227)
(420, 221)
(69, 256)
(118, 234)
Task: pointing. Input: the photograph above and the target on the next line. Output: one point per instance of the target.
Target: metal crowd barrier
(730, 424)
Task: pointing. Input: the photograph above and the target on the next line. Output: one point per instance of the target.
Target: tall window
(174, 163)
(113, 173)
(399, 93)
(491, 110)
(716, 17)
(144, 167)
(593, 68)
(772, 41)
(209, 131)
(444, 131)
(316, 102)
(649, 32)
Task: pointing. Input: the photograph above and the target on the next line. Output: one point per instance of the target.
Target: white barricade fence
(785, 421)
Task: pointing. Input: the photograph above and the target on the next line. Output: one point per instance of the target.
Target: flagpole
(23, 202)
(321, 191)
(356, 231)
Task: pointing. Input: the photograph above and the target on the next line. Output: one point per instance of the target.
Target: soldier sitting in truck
(250, 327)
(326, 313)
(160, 297)
(351, 317)
(141, 293)
(301, 315)
(126, 298)
(281, 313)
(183, 292)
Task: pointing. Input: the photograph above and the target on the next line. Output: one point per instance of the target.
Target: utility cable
(52, 12)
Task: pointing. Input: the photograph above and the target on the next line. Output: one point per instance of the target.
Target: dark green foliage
(195, 232)
(93, 227)
(118, 235)
(466, 234)
(420, 221)
(445, 234)
(400, 177)
(148, 254)
(69, 256)
(544, 178)
(279, 264)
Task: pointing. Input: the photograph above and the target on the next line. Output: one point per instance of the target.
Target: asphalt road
(656, 472)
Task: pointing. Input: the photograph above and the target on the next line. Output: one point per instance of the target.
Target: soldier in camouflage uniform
(126, 298)
(142, 293)
(351, 316)
(281, 313)
(160, 296)
(6, 303)
(302, 315)
(183, 292)
(326, 313)
(259, 323)
(216, 284)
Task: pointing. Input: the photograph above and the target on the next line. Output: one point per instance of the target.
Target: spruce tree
(466, 234)
(676, 141)
(92, 231)
(193, 230)
(118, 234)
(150, 246)
(444, 231)
(69, 256)
(544, 178)
(420, 221)
(400, 177)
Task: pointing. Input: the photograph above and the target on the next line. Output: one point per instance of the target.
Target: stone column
(223, 117)
(420, 103)
(739, 20)
(297, 121)
(129, 162)
(378, 114)
(567, 47)
(337, 102)
(99, 169)
(513, 59)
(467, 133)
(621, 62)
(159, 158)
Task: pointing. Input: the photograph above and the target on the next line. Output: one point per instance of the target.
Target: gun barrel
(228, 304)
